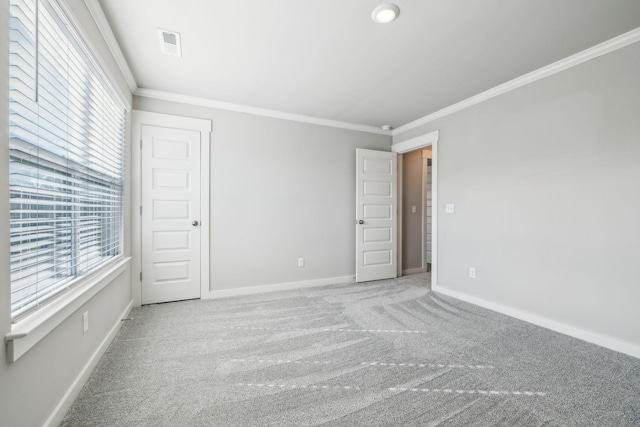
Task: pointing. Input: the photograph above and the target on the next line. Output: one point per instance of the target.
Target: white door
(170, 214)
(376, 215)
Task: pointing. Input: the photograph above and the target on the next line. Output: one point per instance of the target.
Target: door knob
(360, 222)
(195, 223)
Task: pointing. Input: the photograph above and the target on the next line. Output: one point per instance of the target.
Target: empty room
(320, 213)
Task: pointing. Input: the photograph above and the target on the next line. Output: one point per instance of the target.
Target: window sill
(30, 330)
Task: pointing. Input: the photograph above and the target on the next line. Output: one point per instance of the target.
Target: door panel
(376, 207)
(171, 241)
(170, 205)
(378, 211)
(377, 234)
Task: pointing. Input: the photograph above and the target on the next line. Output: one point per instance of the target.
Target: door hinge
(140, 210)
(141, 143)
(141, 276)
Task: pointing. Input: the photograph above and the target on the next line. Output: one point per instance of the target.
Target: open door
(376, 215)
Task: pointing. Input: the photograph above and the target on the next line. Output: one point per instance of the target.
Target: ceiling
(327, 58)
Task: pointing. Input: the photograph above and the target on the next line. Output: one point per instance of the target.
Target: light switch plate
(414, 209)
(449, 208)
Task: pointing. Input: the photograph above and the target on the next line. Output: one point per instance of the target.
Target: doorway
(416, 211)
(417, 205)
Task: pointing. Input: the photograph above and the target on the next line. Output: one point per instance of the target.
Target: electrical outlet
(449, 208)
(85, 322)
(472, 272)
(300, 262)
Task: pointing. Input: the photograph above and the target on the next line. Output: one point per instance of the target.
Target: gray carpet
(388, 353)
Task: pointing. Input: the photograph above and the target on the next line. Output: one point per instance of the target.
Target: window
(66, 169)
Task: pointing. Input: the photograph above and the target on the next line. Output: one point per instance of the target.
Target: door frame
(425, 186)
(138, 119)
(422, 141)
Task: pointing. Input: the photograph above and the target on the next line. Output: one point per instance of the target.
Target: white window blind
(66, 169)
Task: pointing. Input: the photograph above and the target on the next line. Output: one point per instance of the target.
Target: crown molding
(210, 103)
(107, 33)
(615, 43)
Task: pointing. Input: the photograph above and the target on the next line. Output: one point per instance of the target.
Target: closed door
(170, 214)
(376, 215)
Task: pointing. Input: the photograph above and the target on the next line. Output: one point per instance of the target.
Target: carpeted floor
(387, 353)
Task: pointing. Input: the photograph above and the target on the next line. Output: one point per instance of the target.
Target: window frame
(30, 329)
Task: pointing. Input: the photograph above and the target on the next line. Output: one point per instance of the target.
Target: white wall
(33, 386)
(546, 185)
(280, 190)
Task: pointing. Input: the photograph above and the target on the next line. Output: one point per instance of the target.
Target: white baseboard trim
(592, 337)
(224, 293)
(67, 400)
(414, 271)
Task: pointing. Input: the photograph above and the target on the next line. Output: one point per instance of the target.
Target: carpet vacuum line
(487, 393)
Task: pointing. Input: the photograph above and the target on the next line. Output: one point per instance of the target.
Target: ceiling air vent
(170, 42)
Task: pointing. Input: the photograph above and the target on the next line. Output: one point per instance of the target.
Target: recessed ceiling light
(385, 13)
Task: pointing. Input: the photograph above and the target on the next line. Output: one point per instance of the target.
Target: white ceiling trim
(621, 41)
(210, 103)
(107, 33)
